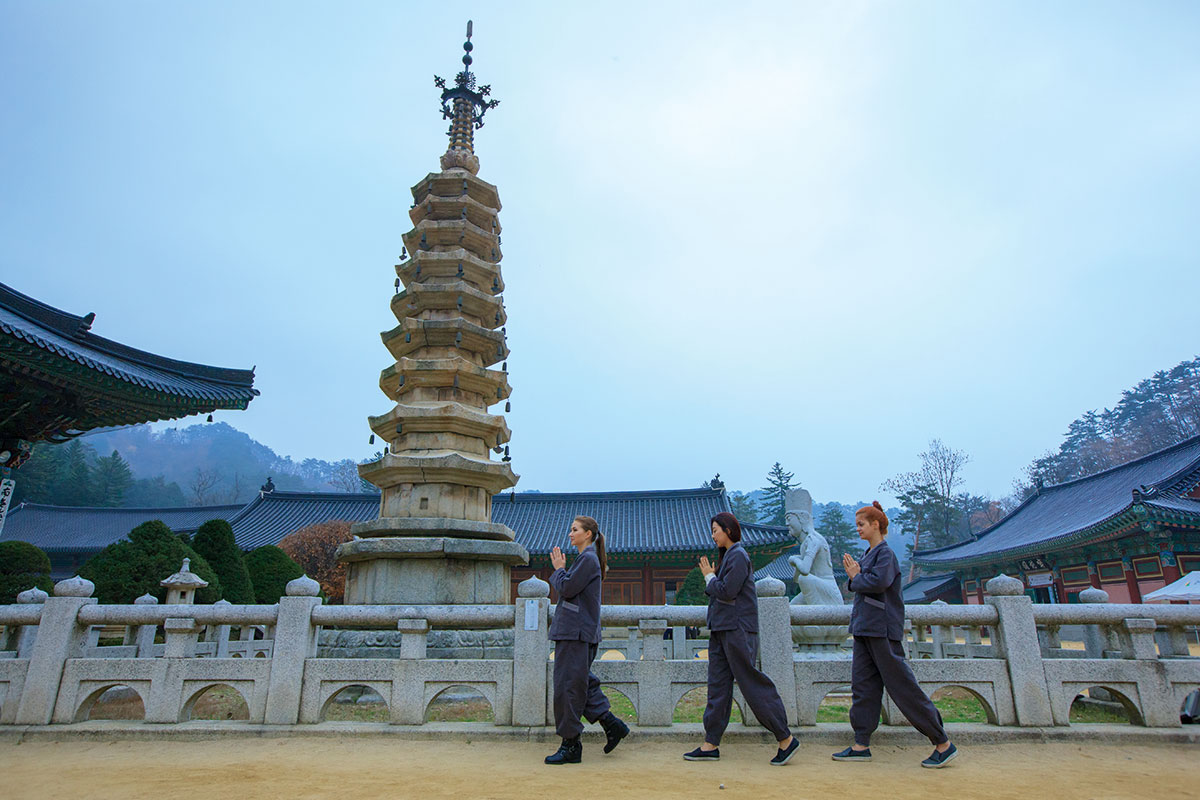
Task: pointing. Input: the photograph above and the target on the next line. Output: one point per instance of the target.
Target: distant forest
(207, 464)
(1157, 413)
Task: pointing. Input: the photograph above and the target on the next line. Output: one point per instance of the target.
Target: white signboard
(531, 615)
(6, 493)
(1039, 578)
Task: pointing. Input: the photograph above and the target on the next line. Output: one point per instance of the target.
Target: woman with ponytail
(733, 647)
(576, 636)
(877, 624)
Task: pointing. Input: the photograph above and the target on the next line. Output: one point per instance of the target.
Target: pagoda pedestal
(434, 542)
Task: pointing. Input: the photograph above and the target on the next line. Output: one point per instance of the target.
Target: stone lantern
(182, 586)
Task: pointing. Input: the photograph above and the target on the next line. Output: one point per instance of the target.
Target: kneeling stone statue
(813, 572)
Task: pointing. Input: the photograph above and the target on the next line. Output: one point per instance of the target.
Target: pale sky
(734, 234)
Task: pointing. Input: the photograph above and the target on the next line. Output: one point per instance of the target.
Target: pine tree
(743, 507)
(774, 505)
(838, 532)
(112, 478)
(214, 541)
(691, 591)
(74, 487)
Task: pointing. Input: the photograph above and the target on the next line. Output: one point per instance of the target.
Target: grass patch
(220, 702)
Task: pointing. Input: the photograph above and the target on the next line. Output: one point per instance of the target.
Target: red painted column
(1170, 566)
(1135, 592)
(979, 589)
(1060, 588)
(1093, 574)
(647, 586)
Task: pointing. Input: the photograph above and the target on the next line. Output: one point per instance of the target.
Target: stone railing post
(219, 634)
(1017, 643)
(1095, 640)
(1159, 707)
(59, 637)
(531, 644)
(942, 635)
(1137, 639)
(27, 635)
(295, 642)
(163, 704)
(775, 643)
(679, 648)
(414, 638)
(144, 638)
(181, 635)
(654, 646)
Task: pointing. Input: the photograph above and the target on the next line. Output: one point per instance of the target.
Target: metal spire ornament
(464, 105)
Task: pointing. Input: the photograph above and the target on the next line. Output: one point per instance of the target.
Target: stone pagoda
(434, 541)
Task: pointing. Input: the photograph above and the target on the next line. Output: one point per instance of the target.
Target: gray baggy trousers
(576, 690)
(879, 663)
(731, 657)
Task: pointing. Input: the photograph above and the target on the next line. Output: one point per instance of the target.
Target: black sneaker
(702, 755)
(785, 755)
(850, 754)
(569, 752)
(938, 760)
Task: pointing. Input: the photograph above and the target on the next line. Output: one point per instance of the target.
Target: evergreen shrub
(127, 569)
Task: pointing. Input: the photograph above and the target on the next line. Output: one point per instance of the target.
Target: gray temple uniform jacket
(878, 605)
(576, 634)
(577, 614)
(877, 623)
(733, 650)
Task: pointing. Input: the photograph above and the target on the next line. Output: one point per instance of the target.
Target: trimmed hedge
(270, 570)
(214, 541)
(22, 566)
(132, 567)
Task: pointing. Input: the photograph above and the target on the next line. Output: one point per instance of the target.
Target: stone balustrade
(59, 654)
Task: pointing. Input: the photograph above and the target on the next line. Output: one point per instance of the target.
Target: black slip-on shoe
(850, 754)
(938, 760)
(785, 755)
(569, 752)
(702, 755)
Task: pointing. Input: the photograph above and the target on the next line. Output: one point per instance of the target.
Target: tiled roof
(633, 522)
(66, 528)
(663, 521)
(1057, 513)
(927, 588)
(273, 515)
(69, 337)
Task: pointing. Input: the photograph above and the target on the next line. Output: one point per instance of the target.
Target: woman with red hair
(877, 624)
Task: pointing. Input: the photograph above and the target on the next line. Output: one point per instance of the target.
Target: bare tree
(203, 483)
(345, 476)
(239, 486)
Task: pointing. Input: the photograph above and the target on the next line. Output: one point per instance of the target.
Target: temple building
(1128, 530)
(654, 537)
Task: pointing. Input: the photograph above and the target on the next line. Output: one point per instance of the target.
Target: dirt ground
(363, 768)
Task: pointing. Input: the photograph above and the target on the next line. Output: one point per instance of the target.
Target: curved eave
(50, 359)
(1115, 526)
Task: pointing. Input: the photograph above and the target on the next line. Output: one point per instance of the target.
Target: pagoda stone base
(403, 569)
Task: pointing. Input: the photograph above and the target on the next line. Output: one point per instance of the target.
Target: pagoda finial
(464, 105)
